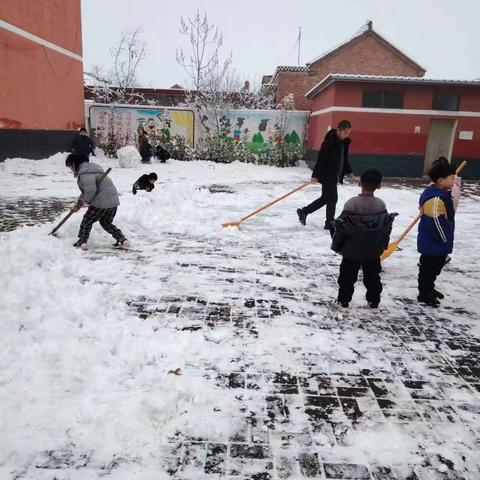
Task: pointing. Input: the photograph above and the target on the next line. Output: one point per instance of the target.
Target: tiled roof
(286, 68)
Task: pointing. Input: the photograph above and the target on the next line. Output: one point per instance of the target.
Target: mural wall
(256, 128)
(125, 122)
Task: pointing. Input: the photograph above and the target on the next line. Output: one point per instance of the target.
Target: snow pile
(128, 157)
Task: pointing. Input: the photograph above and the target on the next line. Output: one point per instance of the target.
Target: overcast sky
(441, 35)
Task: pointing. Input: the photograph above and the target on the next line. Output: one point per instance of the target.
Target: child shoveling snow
(100, 197)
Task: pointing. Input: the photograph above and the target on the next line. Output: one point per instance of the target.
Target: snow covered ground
(275, 383)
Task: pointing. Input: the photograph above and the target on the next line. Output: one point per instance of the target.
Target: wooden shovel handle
(275, 201)
(461, 167)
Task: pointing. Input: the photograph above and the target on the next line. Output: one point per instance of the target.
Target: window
(382, 99)
(445, 101)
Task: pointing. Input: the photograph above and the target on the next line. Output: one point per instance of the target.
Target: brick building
(41, 76)
(366, 53)
(400, 124)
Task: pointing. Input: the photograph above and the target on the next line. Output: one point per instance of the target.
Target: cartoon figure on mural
(165, 134)
(225, 126)
(262, 127)
(237, 131)
(151, 129)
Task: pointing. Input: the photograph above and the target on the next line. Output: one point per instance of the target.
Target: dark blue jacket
(83, 144)
(437, 225)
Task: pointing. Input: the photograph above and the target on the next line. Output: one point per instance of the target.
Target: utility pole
(299, 40)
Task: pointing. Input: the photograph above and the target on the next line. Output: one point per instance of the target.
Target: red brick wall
(368, 55)
(317, 129)
(41, 88)
(349, 94)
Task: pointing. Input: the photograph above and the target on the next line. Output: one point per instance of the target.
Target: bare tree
(203, 60)
(216, 88)
(128, 55)
(115, 84)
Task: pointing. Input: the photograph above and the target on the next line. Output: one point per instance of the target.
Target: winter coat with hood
(330, 166)
(98, 195)
(437, 225)
(83, 144)
(362, 237)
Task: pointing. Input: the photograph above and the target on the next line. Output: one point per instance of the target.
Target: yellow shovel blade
(231, 224)
(390, 249)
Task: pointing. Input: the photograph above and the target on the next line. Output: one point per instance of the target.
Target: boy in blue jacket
(435, 231)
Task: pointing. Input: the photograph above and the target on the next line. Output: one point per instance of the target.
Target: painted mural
(128, 121)
(257, 128)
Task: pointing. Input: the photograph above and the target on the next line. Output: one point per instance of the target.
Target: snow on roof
(333, 77)
(368, 27)
(287, 68)
(364, 29)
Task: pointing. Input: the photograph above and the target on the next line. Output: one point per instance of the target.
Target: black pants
(371, 279)
(329, 198)
(430, 268)
(103, 215)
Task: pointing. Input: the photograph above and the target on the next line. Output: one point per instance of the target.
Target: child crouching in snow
(101, 198)
(145, 182)
(436, 229)
(361, 234)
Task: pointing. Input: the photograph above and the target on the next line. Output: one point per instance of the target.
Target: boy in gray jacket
(101, 198)
(362, 233)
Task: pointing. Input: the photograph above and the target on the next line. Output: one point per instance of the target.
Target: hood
(89, 168)
(365, 223)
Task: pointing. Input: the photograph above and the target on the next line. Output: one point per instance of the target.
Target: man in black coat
(83, 144)
(332, 165)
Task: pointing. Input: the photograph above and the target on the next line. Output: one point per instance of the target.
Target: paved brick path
(319, 391)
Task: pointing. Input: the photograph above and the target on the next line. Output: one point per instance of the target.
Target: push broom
(261, 209)
(71, 212)
(394, 245)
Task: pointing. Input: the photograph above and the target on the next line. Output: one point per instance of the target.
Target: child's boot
(428, 299)
(438, 295)
(80, 244)
(122, 244)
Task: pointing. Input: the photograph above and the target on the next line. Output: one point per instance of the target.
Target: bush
(178, 148)
(223, 150)
(227, 150)
(280, 155)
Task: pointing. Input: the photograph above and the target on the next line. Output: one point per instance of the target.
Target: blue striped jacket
(437, 225)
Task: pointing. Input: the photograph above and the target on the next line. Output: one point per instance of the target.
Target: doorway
(440, 141)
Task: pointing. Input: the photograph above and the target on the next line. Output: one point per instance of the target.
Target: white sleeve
(456, 192)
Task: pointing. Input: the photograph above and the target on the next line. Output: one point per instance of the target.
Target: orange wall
(41, 88)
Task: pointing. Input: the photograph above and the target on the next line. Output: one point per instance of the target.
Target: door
(440, 141)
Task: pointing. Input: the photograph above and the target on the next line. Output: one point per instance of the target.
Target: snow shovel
(236, 224)
(394, 245)
(71, 212)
